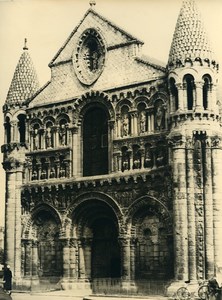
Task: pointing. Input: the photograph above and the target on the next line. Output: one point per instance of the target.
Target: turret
(23, 86)
(192, 64)
(195, 142)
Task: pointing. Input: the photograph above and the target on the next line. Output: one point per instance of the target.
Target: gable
(99, 56)
(111, 34)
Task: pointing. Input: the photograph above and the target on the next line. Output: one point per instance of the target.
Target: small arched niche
(188, 82)
(22, 128)
(207, 83)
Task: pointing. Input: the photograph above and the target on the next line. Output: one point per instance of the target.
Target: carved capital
(178, 141)
(216, 142)
(11, 163)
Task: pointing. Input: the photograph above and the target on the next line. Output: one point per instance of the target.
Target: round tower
(23, 86)
(195, 140)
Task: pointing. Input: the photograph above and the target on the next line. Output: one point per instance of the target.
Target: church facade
(113, 167)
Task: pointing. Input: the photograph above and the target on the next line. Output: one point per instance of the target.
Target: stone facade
(113, 167)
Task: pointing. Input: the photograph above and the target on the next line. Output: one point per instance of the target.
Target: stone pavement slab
(69, 295)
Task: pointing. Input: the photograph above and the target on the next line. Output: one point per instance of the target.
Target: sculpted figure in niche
(62, 135)
(35, 139)
(148, 158)
(160, 158)
(48, 138)
(159, 116)
(142, 121)
(125, 125)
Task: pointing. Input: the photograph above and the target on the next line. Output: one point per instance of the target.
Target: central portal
(105, 250)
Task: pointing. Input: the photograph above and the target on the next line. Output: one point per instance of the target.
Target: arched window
(125, 158)
(95, 142)
(21, 128)
(136, 157)
(7, 130)
(206, 90)
(174, 94)
(189, 85)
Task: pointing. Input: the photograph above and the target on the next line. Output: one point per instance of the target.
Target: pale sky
(47, 24)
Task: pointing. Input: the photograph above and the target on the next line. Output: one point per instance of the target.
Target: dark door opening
(105, 250)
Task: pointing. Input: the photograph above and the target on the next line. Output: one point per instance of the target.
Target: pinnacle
(24, 82)
(190, 40)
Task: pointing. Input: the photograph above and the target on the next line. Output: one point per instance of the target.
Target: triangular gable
(113, 35)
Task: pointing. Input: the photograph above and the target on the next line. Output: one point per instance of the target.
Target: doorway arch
(95, 225)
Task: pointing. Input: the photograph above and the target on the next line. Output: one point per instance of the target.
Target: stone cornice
(100, 180)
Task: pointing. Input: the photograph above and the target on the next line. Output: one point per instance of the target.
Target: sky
(47, 23)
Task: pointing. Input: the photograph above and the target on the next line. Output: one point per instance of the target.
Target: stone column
(132, 256)
(87, 246)
(81, 260)
(217, 196)
(199, 95)
(116, 159)
(181, 103)
(119, 162)
(180, 210)
(73, 258)
(56, 136)
(28, 258)
(66, 258)
(75, 152)
(18, 229)
(130, 152)
(10, 217)
(110, 144)
(213, 98)
(14, 172)
(208, 200)
(142, 151)
(134, 123)
(34, 258)
(149, 121)
(125, 257)
(118, 126)
(191, 212)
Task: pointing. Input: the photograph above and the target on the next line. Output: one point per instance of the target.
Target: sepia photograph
(111, 149)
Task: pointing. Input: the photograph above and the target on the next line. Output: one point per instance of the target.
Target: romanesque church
(113, 167)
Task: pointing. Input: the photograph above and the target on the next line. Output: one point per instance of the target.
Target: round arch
(96, 222)
(42, 233)
(150, 224)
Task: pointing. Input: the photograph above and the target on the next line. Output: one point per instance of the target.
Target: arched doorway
(152, 255)
(97, 232)
(95, 142)
(48, 259)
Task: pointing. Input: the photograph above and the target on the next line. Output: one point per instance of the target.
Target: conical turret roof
(24, 83)
(190, 40)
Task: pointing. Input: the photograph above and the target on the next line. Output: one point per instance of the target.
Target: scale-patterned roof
(24, 83)
(190, 40)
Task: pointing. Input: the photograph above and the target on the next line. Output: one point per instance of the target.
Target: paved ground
(67, 295)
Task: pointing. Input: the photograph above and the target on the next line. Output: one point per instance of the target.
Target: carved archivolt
(27, 228)
(149, 204)
(97, 196)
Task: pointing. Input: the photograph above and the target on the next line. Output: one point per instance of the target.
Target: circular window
(89, 57)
